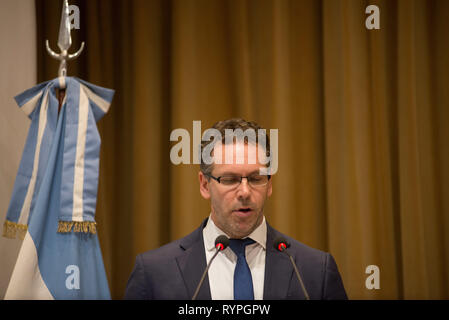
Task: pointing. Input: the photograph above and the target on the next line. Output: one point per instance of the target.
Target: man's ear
(204, 186)
(270, 187)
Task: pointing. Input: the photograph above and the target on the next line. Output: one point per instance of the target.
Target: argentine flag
(55, 192)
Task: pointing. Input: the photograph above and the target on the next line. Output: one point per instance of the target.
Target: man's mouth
(243, 210)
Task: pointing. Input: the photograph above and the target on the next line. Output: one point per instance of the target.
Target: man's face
(236, 210)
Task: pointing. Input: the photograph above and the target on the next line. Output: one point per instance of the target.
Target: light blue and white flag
(54, 198)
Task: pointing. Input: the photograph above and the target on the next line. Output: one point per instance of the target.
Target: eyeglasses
(254, 180)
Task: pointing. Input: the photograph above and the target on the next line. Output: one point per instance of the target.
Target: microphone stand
(204, 275)
(298, 275)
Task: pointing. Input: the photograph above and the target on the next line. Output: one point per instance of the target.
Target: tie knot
(239, 245)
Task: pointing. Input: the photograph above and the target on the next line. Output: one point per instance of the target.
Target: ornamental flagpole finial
(64, 42)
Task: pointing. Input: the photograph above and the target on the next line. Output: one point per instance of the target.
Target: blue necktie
(243, 282)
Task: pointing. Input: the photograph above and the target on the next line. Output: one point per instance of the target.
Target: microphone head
(221, 242)
(280, 244)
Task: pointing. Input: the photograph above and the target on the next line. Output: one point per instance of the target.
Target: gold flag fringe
(77, 226)
(10, 230)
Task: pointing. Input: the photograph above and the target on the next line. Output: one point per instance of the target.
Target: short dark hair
(234, 124)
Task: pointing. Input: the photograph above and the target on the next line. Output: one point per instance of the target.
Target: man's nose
(244, 190)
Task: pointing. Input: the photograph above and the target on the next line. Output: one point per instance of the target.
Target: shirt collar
(211, 232)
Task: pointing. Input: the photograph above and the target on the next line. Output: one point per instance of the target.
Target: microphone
(280, 244)
(221, 243)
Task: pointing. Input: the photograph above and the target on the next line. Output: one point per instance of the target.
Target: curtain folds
(362, 118)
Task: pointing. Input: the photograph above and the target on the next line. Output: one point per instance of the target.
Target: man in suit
(251, 267)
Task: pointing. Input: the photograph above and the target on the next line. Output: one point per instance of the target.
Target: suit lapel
(192, 264)
(278, 270)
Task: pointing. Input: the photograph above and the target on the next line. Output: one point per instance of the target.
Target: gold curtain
(362, 118)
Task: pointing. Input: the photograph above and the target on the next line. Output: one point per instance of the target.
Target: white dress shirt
(221, 271)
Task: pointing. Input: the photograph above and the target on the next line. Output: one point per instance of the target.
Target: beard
(238, 222)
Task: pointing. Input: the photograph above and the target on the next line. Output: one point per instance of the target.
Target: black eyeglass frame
(241, 178)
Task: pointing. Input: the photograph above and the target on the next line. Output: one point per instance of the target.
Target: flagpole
(64, 43)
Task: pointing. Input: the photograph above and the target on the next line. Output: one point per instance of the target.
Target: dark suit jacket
(174, 270)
